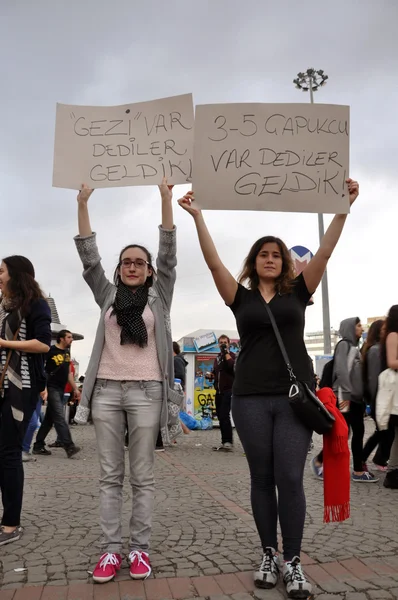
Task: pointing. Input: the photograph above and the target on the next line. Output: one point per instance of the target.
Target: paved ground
(204, 542)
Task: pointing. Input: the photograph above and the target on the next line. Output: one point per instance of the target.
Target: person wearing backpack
(347, 385)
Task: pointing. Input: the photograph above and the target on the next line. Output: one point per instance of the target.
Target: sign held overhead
(278, 157)
(133, 144)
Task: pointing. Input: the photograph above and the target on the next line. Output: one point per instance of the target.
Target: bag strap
(3, 374)
(278, 336)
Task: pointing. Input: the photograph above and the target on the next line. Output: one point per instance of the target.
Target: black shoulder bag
(303, 401)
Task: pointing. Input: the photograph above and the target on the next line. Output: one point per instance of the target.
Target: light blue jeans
(33, 424)
(140, 403)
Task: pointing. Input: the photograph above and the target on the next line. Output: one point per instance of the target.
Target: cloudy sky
(78, 52)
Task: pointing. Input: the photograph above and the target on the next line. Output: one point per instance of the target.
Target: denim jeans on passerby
(54, 416)
(33, 424)
(140, 402)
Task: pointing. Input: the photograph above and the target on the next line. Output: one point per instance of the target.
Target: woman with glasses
(127, 379)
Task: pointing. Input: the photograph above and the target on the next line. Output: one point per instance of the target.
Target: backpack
(327, 379)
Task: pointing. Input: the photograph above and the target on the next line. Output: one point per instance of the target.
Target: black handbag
(303, 401)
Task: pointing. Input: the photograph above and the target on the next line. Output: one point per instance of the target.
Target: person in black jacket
(223, 371)
(25, 326)
(180, 364)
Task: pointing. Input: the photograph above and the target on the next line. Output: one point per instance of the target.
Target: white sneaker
(294, 579)
(27, 457)
(268, 574)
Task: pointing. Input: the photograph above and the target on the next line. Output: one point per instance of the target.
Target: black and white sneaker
(294, 579)
(8, 538)
(268, 574)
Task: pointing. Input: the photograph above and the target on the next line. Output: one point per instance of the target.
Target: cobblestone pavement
(204, 542)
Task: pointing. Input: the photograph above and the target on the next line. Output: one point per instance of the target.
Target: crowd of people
(129, 384)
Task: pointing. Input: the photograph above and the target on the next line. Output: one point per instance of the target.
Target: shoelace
(109, 559)
(268, 562)
(297, 572)
(135, 554)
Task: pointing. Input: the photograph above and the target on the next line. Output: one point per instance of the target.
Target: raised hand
(187, 203)
(353, 188)
(166, 191)
(84, 194)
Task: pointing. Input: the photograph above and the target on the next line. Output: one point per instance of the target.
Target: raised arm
(166, 260)
(87, 248)
(315, 269)
(225, 282)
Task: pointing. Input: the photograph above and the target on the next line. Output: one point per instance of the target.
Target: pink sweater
(129, 362)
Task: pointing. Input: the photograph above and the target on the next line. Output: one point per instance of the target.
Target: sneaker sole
(13, 539)
(103, 579)
(264, 585)
(365, 480)
(300, 595)
(143, 576)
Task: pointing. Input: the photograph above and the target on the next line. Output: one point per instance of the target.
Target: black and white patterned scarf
(11, 322)
(128, 308)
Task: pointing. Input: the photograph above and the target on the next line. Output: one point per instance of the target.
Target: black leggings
(276, 446)
(355, 420)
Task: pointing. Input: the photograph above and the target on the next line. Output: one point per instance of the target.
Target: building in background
(314, 342)
(200, 349)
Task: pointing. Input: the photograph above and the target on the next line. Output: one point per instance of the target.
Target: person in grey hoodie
(348, 388)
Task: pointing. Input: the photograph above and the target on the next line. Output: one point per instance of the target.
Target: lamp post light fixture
(311, 81)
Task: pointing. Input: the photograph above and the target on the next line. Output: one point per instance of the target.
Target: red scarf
(336, 463)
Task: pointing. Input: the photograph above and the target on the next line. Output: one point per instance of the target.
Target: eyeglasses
(139, 263)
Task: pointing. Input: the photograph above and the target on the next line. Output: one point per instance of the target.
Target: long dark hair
(150, 280)
(249, 275)
(373, 337)
(22, 288)
(391, 327)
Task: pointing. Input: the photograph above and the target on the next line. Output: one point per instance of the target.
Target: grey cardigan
(160, 298)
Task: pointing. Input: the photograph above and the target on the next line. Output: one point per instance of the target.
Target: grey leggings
(276, 446)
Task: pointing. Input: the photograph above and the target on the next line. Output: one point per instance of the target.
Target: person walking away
(371, 357)
(389, 360)
(129, 375)
(270, 431)
(58, 372)
(67, 402)
(25, 336)
(223, 371)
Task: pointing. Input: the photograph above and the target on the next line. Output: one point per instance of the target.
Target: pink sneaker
(107, 567)
(140, 566)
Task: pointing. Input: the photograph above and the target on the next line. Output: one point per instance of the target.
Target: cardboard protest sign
(279, 157)
(133, 144)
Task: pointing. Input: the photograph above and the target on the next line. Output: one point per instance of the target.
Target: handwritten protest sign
(280, 157)
(134, 144)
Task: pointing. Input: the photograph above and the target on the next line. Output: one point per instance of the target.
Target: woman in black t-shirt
(274, 439)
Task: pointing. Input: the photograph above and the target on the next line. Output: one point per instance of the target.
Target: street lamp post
(310, 81)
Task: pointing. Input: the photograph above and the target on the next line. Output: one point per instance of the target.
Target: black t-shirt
(260, 368)
(57, 367)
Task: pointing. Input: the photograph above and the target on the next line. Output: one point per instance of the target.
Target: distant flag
(301, 256)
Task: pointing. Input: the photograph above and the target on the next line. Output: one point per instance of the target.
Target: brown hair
(22, 286)
(283, 283)
(373, 337)
(150, 279)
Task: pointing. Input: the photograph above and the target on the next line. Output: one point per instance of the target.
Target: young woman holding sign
(269, 430)
(128, 378)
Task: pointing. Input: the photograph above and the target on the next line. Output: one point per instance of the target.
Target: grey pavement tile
(193, 534)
